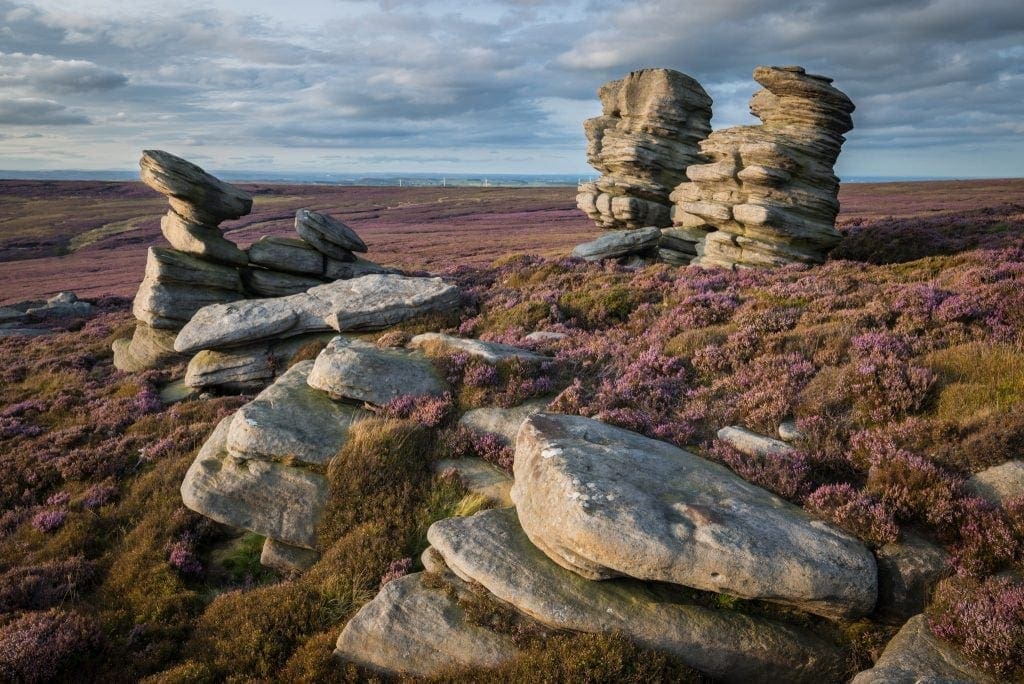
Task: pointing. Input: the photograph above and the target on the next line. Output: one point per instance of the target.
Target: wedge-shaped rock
(479, 477)
(415, 628)
(358, 267)
(503, 422)
(753, 444)
(291, 420)
(205, 242)
(375, 302)
(327, 234)
(270, 499)
(240, 369)
(169, 306)
(607, 502)
(491, 352)
(147, 348)
(172, 267)
(285, 558)
(238, 323)
(354, 369)
(619, 243)
(292, 255)
(265, 283)
(492, 549)
(194, 194)
(915, 655)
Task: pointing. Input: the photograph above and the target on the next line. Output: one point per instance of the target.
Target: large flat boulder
(292, 255)
(173, 267)
(327, 234)
(238, 323)
(491, 352)
(606, 502)
(416, 628)
(916, 655)
(492, 549)
(274, 500)
(192, 192)
(291, 421)
(619, 243)
(358, 370)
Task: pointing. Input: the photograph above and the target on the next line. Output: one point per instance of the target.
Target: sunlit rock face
(767, 194)
(647, 135)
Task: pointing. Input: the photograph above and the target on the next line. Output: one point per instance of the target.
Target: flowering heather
(181, 556)
(49, 520)
(854, 512)
(461, 442)
(427, 410)
(396, 569)
(985, 619)
(788, 475)
(37, 647)
(36, 587)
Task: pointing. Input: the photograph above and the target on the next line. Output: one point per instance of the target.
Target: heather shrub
(984, 538)
(600, 306)
(885, 384)
(912, 487)
(788, 475)
(854, 512)
(985, 619)
(43, 646)
(461, 442)
(36, 587)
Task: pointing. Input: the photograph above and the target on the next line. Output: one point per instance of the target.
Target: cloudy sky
(396, 85)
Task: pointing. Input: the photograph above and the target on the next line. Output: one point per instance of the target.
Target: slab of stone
(205, 242)
(194, 194)
(270, 499)
(172, 267)
(492, 549)
(237, 370)
(619, 243)
(285, 558)
(479, 477)
(327, 234)
(354, 268)
(915, 655)
(907, 571)
(169, 306)
(288, 254)
(607, 502)
(354, 369)
(545, 336)
(238, 323)
(753, 444)
(415, 628)
(502, 422)
(147, 348)
(491, 352)
(998, 484)
(291, 421)
(266, 283)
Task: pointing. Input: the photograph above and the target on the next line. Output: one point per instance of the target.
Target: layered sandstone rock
(647, 135)
(767, 194)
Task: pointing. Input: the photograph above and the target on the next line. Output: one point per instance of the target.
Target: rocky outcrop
(361, 371)
(287, 254)
(647, 135)
(328, 235)
(491, 548)
(605, 502)
(767, 194)
(916, 655)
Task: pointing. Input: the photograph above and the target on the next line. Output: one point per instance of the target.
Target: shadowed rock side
(767, 195)
(645, 138)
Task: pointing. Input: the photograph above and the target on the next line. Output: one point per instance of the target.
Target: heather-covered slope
(899, 359)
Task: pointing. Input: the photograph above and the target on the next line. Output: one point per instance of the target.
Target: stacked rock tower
(768, 195)
(744, 196)
(647, 135)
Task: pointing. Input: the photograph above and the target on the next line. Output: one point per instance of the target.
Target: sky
(324, 86)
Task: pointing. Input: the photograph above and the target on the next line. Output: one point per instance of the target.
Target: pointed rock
(194, 194)
(327, 234)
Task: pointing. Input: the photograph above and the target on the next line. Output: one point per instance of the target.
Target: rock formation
(642, 143)
(767, 195)
(749, 196)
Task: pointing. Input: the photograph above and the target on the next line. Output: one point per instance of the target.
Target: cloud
(44, 73)
(28, 111)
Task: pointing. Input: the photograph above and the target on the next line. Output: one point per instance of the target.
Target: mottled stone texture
(767, 195)
(647, 135)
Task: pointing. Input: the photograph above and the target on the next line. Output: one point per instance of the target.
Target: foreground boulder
(619, 243)
(491, 352)
(372, 302)
(270, 499)
(491, 548)
(916, 655)
(415, 627)
(998, 484)
(605, 502)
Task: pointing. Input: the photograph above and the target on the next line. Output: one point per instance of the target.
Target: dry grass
(977, 380)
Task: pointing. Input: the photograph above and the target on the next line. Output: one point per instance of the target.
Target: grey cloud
(28, 111)
(42, 74)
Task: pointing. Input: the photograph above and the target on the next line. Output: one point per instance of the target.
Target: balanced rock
(491, 548)
(605, 502)
(647, 135)
(270, 499)
(205, 242)
(328, 235)
(998, 484)
(194, 194)
(288, 254)
(361, 371)
(619, 243)
(915, 655)
(266, 283)
(415, 627)
(292, 422)
(768, 192)
(491, 352)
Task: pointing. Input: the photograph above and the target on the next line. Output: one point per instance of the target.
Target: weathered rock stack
(750, 196)
(647, 135)
(768, 195)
